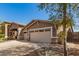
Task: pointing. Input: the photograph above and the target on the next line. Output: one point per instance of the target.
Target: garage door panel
(40, 36)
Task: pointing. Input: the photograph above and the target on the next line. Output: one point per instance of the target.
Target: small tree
(61, 11)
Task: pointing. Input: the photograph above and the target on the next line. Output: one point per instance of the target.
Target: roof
(12, 23)
(7, 22)
(17, 24)
(45, 21)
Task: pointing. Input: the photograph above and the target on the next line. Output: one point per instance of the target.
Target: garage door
(40, 36)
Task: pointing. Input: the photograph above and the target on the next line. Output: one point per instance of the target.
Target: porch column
(53, 35)
(6, 30)
(19, 30)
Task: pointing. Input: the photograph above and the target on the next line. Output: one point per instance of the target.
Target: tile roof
(12, 23)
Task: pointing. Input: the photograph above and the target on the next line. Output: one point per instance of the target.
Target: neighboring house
(0, 28)
(41, 31)
(4, 28)
(10, 29)
(74, 37)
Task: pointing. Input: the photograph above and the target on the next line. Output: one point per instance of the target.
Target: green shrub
(1, 35)
(61, 36)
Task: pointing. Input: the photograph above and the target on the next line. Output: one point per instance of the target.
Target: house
(10, 29)
(41, 31)
(74, 37)
(4, 28)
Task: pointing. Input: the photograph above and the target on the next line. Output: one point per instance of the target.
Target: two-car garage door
(43, 35)
(40, 36)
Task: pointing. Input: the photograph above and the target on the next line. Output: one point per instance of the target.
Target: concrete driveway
(15, 43)
(19, 48)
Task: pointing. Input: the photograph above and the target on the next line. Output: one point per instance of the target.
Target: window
(36, 31)
(41, 30)
(47, 29)
(31, 31)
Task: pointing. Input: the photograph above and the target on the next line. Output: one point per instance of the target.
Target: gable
(37, 24)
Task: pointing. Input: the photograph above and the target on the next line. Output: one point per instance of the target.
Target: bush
(1, 35)
(61, 36)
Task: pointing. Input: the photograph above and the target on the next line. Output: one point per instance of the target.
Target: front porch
(13, 33)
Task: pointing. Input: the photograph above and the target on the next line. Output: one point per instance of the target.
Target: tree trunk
(64, 28)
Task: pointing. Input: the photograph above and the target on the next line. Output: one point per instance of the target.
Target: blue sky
(23, 13)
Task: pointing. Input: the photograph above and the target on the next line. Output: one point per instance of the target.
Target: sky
(23, 13)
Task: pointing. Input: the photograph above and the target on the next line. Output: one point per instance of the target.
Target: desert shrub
(61, 37)
(2, 37)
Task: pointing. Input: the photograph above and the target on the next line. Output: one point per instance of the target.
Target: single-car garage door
(44, 36)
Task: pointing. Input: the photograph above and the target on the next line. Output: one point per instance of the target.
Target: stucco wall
(61, 29)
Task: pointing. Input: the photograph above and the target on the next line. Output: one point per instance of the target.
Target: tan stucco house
(10, 29)
(41, 31)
